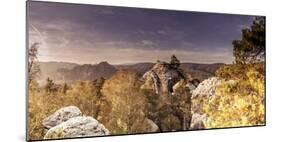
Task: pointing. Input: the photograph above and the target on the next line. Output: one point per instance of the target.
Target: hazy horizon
(89, 34)
(124, 63)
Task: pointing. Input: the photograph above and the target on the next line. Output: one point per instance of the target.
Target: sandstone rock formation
(164, 76)
(60, 116)
(68, 122)
(80, 126)
(173, 108)
(207, 87)
(203, 93)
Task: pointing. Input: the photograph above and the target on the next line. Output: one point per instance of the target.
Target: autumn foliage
(241, 102)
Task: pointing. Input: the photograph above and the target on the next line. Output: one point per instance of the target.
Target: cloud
(162, 32)
(147, 42)
(115, 55)
(187, 44)
(89, 34)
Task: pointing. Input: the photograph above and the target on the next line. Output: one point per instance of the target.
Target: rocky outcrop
(204, 91)
(81, 126)
(202, 94)
(163, 76)
(173, 108)
(207, 87)
(60, 116)
(155, 79)
(68, 122)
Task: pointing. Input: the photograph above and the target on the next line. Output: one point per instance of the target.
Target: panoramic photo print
(103, 70)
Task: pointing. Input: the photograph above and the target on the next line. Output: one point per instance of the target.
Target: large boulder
(205, 90)
(200, 96)
(81, 126)
(60, 116)
(207, 87)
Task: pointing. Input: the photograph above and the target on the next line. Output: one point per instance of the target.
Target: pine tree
(64, 88)
(175, 63)
(49, 85)
(251, 48)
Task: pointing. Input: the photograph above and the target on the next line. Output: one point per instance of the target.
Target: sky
(89, 34)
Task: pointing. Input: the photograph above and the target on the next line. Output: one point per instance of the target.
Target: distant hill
(201, 71)
(141, 68)
(90, 72)
(49, 69)
(209, 68)
(70, 72)
(196, 70)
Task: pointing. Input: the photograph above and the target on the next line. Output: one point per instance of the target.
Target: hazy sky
(90, 34)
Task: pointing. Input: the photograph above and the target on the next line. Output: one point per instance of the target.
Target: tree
(33, 68)
(64, 88)
(251, 48)
(249, 52)
(175, 63)
(49, 85)
(240, 101)
(99, 85)
(128, 103)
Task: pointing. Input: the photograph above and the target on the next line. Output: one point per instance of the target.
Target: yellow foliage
(239, 102)
(128, 103)
(42, 104)
(120, 105)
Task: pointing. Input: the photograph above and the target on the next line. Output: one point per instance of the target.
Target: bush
(239, 102)
(82, 94)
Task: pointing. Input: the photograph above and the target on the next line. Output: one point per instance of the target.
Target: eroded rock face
(202, 94)
(163, 77)
(168, 82)
(205, 90)
(81, 126)
(60, 116)
(207, 87)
